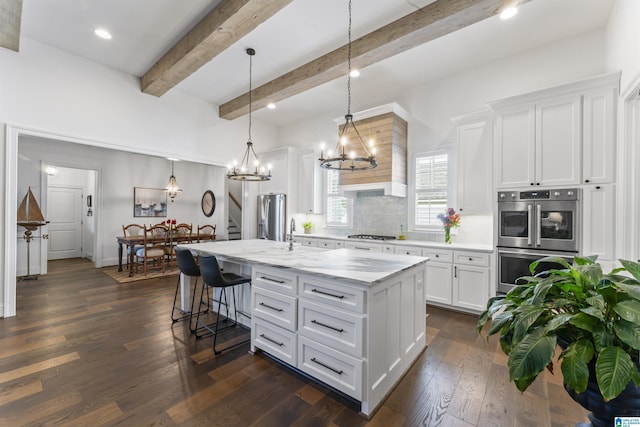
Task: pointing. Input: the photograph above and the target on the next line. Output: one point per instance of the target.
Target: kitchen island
(352, 320)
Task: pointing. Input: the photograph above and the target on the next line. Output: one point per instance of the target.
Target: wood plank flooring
(87, 351)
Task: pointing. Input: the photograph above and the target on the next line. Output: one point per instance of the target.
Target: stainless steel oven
(533, 225)
(543, 219)
(514, 263)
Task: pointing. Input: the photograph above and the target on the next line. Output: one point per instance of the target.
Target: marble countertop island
(345, 264)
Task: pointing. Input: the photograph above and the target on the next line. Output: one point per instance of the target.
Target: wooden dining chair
(130, 230)
(154, 250)
(206, 233)
(179, 233)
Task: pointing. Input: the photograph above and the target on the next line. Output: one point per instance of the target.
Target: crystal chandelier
(249, 168)
(172, 189)
(347, 159)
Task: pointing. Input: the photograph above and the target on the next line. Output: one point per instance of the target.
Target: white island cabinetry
(352, 319)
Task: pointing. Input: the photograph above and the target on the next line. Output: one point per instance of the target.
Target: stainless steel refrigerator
(272, 217)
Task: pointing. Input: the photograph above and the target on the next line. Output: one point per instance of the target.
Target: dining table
(133, 241)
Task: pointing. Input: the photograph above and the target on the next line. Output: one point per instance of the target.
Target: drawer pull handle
(271, 280)
(470, 259)
(327, 326)
(361, 248)
(327, 293)
(437, 256)
(272, 308)
(314, 360)
(279, 344)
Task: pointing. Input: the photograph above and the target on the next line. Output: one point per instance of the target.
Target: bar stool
(187, 266)
(213, 277)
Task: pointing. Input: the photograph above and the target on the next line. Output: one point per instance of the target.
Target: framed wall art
(149, 202)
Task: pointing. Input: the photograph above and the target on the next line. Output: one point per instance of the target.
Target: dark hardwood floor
(87, 351)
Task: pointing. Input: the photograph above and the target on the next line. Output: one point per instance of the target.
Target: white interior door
(65, 222)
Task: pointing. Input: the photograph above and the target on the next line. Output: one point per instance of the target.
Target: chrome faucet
(292, 228)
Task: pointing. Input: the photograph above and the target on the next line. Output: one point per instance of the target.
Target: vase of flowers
(450, 219)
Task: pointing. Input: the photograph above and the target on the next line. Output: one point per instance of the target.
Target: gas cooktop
(370, 237)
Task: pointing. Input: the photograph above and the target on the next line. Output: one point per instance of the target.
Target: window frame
(349, 202)
(413, 187)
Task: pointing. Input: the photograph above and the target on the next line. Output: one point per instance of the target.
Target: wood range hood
(387, 126)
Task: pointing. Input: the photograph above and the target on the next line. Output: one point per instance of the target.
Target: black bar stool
(187, 265)
(212, 276)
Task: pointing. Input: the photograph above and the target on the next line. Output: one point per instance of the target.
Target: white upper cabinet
(309, 183)
(539, 144)
(515, 147)
(559, 136)
(280, 171)
(599, 136)
(474, 161)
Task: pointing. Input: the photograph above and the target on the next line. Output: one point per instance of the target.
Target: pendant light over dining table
(172, 189)
(346, 158)
(249, 168)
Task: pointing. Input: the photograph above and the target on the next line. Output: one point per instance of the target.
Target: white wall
(51, 90)
(622, 35)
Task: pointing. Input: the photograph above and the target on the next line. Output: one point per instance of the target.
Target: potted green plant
(593, 317)
(307, 227)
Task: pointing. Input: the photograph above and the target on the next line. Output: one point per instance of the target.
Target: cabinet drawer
(308, 242)
(336, 329)
(371, 247)
(275, 341)
(278, 309)
(388, 249)
(409, 250)
(339, 244)
(275, 280)
(338, 370)
(327, 244)
(333, 294)
(438, 255)
(471, 258)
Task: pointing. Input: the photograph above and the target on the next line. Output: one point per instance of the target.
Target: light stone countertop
(396, 242)
(341, 264)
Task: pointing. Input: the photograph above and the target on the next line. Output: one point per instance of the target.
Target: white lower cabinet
(338, 370)
(274, 313)
(458, 279)
(408, 250)
(470, 287)
(276, 341)
(372, 247)
(439, 283)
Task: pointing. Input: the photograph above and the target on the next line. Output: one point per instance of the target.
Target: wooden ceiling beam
(428, 23)
(10, 17)
(222, 27)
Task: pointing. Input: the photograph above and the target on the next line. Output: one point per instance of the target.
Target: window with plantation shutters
(432, 171)
(338, 208)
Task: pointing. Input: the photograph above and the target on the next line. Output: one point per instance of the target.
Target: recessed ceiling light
(509, 12)
(354, 73)
(102, 33)
(271, 106)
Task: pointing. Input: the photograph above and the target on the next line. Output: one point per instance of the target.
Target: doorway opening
(70, 209)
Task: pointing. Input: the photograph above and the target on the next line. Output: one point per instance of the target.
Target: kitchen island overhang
(353, 320)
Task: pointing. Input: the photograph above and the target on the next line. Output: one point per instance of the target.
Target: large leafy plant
(594, 317)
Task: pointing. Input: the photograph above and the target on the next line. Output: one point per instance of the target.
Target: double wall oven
(534, 225)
